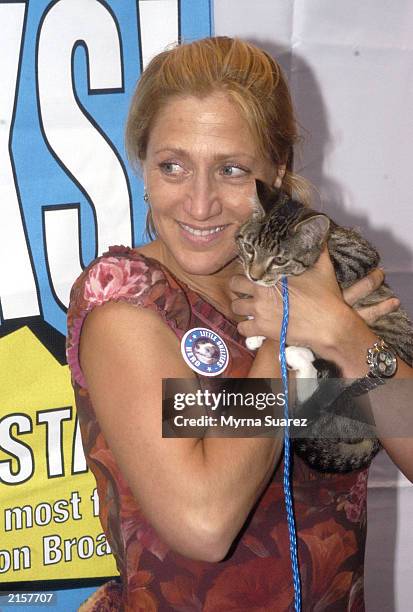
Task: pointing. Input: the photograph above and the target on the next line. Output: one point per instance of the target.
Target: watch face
(384, 363)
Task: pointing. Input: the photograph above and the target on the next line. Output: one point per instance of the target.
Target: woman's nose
(202, 201)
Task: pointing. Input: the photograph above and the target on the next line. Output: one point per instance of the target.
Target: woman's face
(200, 172)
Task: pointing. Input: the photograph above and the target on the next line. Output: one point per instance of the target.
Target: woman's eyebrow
(216, 156)
(175, 150)
(233, 154)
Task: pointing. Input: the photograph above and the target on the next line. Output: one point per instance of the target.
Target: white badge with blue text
(204, 351)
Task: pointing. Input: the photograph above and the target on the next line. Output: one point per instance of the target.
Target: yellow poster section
(48, 505)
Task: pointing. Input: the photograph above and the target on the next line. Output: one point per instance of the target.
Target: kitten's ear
(267, 196)
(312, 231)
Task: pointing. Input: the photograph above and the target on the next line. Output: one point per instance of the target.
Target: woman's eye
(171, 168)
(233, 171)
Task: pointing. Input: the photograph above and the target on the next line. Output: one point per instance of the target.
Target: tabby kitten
(283, 237)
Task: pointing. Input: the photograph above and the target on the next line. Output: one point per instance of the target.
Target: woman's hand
(319, 311)
(363, 288)
(315, 299)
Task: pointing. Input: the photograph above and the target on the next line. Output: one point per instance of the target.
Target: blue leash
(287, 453)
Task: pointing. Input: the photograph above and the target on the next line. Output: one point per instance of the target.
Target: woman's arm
(391, 404)
(196, 493)
(321, 318)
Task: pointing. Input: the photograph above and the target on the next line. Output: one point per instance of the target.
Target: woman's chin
(203, 266)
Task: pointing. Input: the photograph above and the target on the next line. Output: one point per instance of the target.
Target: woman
(199, 524)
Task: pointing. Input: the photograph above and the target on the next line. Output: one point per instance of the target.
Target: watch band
(382, 362)
(364, 385)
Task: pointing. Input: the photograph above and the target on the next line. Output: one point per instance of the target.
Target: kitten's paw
(300, 359)
(254, 342)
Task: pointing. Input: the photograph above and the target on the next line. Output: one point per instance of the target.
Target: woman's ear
(280, 175)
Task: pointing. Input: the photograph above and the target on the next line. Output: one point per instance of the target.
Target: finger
(372, 313)
(363, 287)
(248, 328)
(241, 284)
(244, 306)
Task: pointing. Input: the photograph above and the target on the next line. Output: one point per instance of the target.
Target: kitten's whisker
(292, 291)
(277, 289)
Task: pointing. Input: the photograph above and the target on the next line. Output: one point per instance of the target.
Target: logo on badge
(204, 351)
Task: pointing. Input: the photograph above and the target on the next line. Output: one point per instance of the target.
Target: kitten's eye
(248, 249)
(277, 261)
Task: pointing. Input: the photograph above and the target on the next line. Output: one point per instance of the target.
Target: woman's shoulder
(119, 273)
(122, 274)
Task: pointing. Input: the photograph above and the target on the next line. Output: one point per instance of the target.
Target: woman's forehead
(212, 124)
(214, 114)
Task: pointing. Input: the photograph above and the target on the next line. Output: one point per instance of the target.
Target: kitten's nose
(256, 271)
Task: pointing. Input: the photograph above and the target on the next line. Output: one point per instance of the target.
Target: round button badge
(204, 351)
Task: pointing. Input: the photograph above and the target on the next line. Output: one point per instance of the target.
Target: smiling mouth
(202, 232)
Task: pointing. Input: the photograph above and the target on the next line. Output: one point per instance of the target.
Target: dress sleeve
(119, 275)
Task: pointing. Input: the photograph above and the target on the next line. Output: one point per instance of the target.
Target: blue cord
(287, 453)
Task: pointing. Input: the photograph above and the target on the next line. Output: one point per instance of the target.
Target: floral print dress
(256, 576)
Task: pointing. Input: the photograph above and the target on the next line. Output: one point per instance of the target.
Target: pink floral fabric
(118, 278)
(256, 576)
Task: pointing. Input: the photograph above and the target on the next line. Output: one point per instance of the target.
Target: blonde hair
(249, 76)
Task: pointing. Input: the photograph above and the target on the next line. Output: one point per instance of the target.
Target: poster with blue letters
(68, 69)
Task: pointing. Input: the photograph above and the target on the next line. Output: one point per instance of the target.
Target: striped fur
(286, 238)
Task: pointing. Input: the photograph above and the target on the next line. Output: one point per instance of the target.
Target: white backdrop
(350, 67)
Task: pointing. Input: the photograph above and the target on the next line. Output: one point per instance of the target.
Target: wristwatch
(382, 362)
